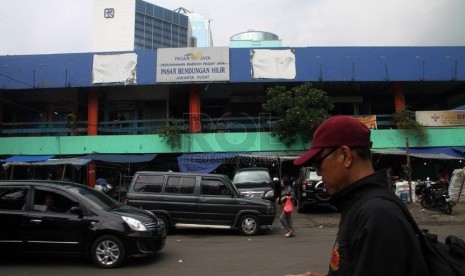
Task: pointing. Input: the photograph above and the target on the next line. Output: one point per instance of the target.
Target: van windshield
(252, 177)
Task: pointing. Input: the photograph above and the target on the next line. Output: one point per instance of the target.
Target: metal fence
(152, 126)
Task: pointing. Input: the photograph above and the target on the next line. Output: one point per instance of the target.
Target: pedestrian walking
(374, 237)
(286, 201)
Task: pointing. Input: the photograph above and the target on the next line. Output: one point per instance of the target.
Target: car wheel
(108, 252)
(249, 225)
(320, 192)
(166, 222)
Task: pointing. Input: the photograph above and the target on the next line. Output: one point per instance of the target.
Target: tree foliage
(300, 110)
(171, 132)
(406, 121)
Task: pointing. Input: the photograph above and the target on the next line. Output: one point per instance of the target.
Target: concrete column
(91, 168)
(399, 98)
(92, 112)
(92, 123)
(194, 109)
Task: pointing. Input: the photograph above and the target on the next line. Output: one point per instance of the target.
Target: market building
(112, 107)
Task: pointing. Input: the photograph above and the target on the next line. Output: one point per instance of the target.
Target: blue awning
(427, 153)
(121, 158)
(28, 158)
(431, 151)
(204, 162)
(462, 107)
(76, 162)
(460, 149)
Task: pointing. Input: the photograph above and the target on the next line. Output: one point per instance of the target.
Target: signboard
(115, 68)
(273, 64)
(193, 64)
(368, 120)
(441, 118)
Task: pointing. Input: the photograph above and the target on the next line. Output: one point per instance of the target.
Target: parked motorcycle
(434, 197)
(103, 186)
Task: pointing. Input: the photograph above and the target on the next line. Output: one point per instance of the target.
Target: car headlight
(269, 194)
(252, 194)
(135, 224)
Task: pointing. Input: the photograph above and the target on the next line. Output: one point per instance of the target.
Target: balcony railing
(151, 126)
(43, 129)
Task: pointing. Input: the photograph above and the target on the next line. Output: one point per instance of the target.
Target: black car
(193, 200)
(254, 182)
(310, 190)
(61, 217)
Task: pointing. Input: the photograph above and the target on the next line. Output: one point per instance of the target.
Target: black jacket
(375, 237)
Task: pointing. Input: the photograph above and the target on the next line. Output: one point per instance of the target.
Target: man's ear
(346, 156)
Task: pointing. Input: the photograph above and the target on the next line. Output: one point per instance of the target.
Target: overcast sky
(65, 26)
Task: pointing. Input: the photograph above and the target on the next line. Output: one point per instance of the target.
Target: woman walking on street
(287, 194)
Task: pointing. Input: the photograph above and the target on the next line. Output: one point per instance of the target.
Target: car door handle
(36, 221)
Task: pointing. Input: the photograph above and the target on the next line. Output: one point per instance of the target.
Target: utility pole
(409, 170)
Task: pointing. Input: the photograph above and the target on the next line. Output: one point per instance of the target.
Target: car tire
(166, 221)
(320, 192)
(108, 252)
(249, 225)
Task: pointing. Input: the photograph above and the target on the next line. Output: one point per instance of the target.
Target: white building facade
(127, 25)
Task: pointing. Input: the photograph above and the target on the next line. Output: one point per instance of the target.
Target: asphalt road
(213, 252)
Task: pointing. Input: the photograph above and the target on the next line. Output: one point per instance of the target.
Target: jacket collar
(362, 186)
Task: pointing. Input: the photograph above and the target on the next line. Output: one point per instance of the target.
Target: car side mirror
(75, 210)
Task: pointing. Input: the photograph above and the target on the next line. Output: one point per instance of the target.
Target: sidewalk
(325, 218)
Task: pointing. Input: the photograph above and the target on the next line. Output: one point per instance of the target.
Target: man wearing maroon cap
(374, 237)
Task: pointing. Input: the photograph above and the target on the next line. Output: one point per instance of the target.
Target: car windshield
(95, 198)
(252, 177)
(312, 175)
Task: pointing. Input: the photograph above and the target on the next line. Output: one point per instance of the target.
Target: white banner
(273, 64)
(441, 118)
(193, 64)
(118, 68)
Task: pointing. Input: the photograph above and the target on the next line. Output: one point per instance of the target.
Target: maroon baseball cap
(336, 131)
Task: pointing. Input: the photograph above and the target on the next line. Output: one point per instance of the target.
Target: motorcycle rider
(102, 185)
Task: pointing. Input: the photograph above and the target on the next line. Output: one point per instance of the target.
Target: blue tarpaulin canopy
(121, 158)
(460, 149)
(440, 150)
(77, 162)
(204, 162)
(208, 162)
(28, 158)
(427, 153)
(462, 107)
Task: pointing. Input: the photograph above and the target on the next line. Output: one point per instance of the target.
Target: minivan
(61, 217)
(198, 200)
(254, 182)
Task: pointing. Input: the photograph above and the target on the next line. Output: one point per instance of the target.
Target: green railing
(151, 126)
